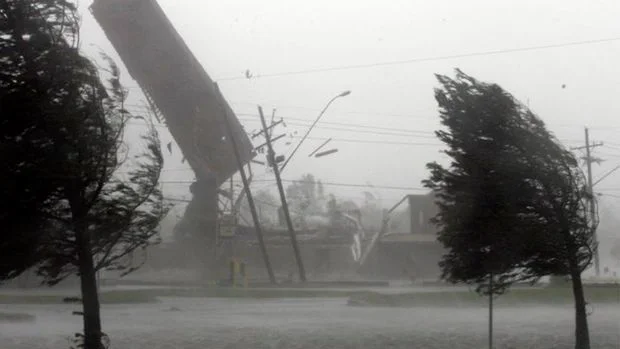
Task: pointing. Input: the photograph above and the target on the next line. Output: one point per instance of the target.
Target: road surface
(190, 323)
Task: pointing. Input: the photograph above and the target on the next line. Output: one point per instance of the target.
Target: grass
(16, 317)
(151, 295)
(129, 297)
(516, 297)
(556, 295)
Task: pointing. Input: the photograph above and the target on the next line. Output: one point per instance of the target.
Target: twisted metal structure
(174, 83)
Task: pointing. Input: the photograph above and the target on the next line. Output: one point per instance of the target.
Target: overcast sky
(391, 112)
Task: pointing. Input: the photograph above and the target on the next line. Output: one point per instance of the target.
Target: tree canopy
(63, 140)
(513, 201)
(75, 197)
(36, 39)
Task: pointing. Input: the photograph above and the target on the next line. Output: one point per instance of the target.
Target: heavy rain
(294, 174)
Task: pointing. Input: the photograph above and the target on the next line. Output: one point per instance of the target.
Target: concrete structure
(421, 209)
(412, 253)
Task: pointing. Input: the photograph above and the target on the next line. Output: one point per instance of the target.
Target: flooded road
(190, 323)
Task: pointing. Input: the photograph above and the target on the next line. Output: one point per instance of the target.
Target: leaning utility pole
(589, 160)
(271, 160)
(248, 193)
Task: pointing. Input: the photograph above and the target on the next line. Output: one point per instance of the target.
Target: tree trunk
(491, 310)
(582, 335)
(90, 297)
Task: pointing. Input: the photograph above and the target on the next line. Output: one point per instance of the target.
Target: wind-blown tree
(29, 69)
(93, 201)
(513, 201)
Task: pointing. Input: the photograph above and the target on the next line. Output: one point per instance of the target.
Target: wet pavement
(308, 323)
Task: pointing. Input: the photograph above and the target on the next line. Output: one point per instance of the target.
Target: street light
(343, 94)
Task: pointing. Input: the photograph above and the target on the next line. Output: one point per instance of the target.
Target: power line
(609, 154)
(354, 112)
(615, 146)
(381, 133)
(606, 145)
(355, 185)
(177, 169)
(142, 108)
(353, 140)
(362, 141)
(352, 185)
(397, 115)
(423, 59)
(607, 174)
(348, 124)
(271, 204)
(365, 141)
(369, 127)
(429, 133)
(415, 134)
(346, 140)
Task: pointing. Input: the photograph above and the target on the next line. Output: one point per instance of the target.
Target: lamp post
(343, 94)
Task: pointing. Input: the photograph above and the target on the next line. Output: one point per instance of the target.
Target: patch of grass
(515, 297)
(111, 297)
(127, 297)
(151, 295)
(16, 317)
(29, 299)
(261, 293)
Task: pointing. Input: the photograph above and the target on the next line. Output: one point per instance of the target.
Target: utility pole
(271, 160)
(248, 193)
(589, 160)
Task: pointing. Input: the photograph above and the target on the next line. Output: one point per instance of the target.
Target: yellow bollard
(233, 271)
(238, 268)
(244, 275)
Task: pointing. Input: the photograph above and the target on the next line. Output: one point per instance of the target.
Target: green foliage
(512, 201)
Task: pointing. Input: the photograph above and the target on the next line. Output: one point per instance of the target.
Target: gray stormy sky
(277, 36)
